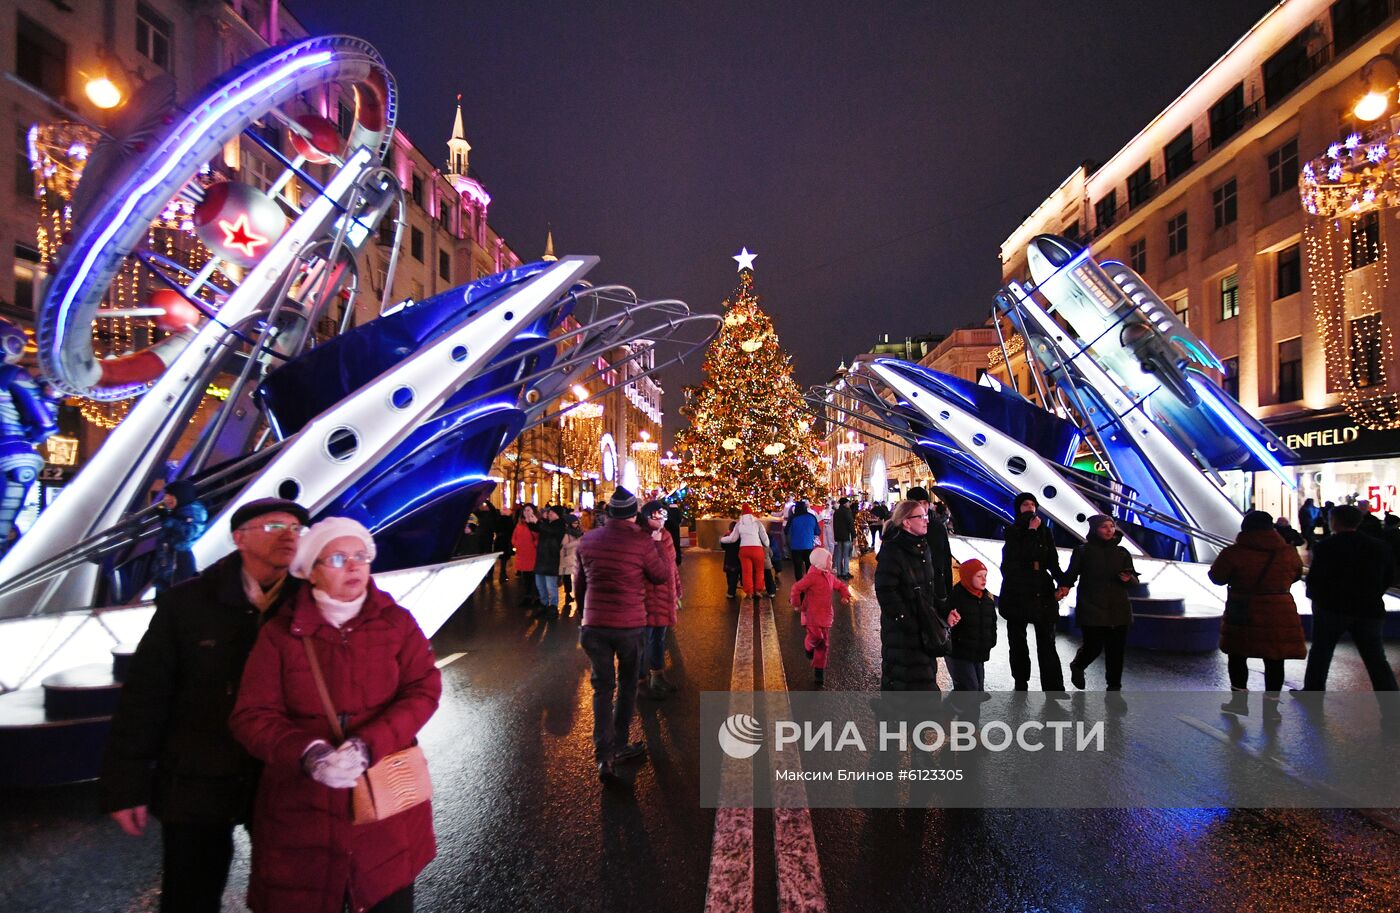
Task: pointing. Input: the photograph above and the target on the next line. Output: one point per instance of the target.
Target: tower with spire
(549, 247)
(457, 146)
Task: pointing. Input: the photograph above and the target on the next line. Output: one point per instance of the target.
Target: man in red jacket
(615, 562)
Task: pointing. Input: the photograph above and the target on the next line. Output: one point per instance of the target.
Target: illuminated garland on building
(1352, 180)
(58, 153)
(748, 440)
(1014, 346)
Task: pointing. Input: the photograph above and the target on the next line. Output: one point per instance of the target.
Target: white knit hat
(318, 535)
(820, 557)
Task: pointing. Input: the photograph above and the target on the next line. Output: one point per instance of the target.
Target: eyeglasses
(339, 560)
(296, 529)
(917, 517)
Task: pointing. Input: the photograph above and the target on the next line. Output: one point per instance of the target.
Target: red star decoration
(240, 236)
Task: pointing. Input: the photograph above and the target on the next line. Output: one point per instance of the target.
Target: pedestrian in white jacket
(753, 544)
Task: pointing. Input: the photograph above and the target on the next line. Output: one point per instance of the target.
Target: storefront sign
(1334, 437)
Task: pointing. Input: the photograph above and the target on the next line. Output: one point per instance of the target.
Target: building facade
(52, 52)
(1204, 203)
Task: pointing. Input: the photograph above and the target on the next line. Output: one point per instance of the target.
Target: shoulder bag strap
(321, 690)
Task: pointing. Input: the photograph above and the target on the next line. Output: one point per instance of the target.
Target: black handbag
(935, 634)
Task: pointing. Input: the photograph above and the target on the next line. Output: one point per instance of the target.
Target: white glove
(337, 768)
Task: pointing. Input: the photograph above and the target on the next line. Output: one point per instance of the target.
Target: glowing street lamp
(102, 92)
(1378, 80)
(646, 444)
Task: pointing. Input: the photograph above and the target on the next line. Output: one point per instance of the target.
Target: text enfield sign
(1327, 439)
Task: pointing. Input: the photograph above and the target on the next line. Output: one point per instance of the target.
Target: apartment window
(24, 176)
(417, 193)
(41, 58)
(1178, 153)
(1137, 255)
(1176, 234)
(1365, 240)
(153, 36)
(1288, 272)
(1227, 116)
(386, 232)
(1366, 346)
(1106, 210)
(26, 275)
(1283, 168)
(1223, 198)
(1230, 296)
(344, 118)
(1181, 307)
(1073, 232)
(444, 264)
(1140, 185)
(1230, 380)
(1289, 67)
(1353, 20)
(415, 244)
(1290, 370)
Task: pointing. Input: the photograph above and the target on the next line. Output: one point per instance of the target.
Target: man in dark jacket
(913, 597)
(615, 562)
(170, 749)
(937, 537)
(843, 533)
(1347, 582)
(1030, 595)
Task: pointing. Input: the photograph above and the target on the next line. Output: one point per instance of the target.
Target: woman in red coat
(661, 599)
(1260, 617)
(524, 540)
(308, 854)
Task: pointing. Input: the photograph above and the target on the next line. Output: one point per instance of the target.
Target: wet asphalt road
(523, 824)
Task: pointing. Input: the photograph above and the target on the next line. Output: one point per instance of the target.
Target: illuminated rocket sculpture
(1119, 375)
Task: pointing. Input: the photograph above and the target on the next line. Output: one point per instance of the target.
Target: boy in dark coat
(1104, 569)
(976, 631)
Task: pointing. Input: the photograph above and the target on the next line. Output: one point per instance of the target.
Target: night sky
(873, 155)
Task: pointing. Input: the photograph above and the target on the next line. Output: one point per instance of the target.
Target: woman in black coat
(551, 530)
(1104, 569)
(913, 601)
(1030, 595)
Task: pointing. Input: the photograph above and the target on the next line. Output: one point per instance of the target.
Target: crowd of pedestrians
(271, 689)
(1350, 572)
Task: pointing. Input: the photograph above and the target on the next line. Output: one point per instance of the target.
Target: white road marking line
(794, 843)
(449, 658)
(730, 887)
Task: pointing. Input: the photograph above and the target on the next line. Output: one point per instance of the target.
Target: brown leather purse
(394, 783)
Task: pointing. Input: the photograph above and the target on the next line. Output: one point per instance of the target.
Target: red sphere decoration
(324, 139)
(237, 222)
(179, 313)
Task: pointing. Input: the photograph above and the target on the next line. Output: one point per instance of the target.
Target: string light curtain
(1352, 195)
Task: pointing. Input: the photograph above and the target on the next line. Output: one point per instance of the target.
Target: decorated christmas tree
(749, 440)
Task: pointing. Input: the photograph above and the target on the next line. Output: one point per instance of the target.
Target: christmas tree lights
(749, 440)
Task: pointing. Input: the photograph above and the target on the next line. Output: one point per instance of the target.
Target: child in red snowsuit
(812, 594)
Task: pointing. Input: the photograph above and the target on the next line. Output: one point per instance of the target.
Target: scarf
(336, 612)
(261, 599)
